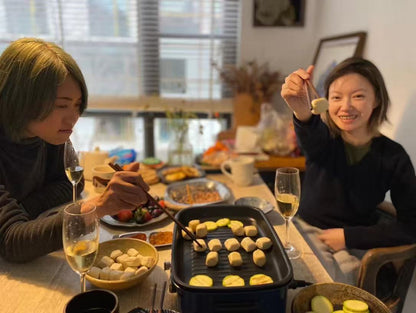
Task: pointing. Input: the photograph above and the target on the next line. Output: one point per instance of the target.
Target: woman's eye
(359, 96)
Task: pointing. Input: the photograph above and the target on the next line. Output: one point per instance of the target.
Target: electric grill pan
(187, 263)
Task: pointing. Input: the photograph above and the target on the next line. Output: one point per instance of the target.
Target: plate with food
(195, 192)
(140, 217)
(175, 173)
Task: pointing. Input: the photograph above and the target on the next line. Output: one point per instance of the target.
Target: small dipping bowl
(255, 202)
(93, 301)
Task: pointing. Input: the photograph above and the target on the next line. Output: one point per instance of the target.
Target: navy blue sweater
(336, 194)
(32, 180)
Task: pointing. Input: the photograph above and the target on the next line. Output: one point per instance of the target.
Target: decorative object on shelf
(180, 150)
(333, 50)
(252, 84)
(269, 13)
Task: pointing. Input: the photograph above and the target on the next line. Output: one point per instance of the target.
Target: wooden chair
(403, 259)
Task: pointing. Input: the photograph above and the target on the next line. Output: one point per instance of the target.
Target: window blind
(131, 48)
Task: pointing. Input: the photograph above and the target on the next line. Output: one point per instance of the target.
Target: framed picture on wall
(333, 50)
(278, 12)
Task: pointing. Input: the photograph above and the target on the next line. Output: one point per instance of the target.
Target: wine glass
(80, 235)
(287, 192)
(72, 166)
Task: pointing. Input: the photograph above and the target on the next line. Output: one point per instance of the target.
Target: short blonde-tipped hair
(30, 72)
(370, 72)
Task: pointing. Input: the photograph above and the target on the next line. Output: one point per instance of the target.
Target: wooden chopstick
(152, 201)
(162, 298)
(153, 298)
(312, 88)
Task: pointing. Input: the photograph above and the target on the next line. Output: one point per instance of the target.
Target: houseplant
(252, 85)
(180, 150)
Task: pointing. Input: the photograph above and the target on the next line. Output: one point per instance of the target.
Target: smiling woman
(350, 167)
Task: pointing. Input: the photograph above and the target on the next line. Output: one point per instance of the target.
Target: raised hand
(294, 93)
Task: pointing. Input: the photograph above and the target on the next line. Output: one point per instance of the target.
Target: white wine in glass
(287, 192)
(72, 166)
(80, 236)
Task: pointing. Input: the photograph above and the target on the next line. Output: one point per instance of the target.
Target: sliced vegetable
(233, 281)
(223, 222)
(355, 306)
(321, 304)
(211, 225)
(260, 279)
(235, 222)
(201, 281)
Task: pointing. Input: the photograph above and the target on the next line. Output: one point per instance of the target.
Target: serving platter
(195, 192)
(108, 219)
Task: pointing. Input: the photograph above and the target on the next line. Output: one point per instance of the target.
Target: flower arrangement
(180, 149)
(257, 80)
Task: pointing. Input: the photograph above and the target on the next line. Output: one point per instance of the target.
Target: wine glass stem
(82, 279)
(74, 193)
(287, 232)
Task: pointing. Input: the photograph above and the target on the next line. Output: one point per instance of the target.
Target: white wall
(391, 45)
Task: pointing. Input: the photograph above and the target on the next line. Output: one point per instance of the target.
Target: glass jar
(180, 151)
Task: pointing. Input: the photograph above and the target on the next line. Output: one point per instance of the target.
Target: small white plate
(255, 202)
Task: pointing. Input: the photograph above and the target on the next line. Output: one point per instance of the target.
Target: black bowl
(93, 301)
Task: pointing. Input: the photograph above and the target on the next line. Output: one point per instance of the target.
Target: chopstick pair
(153, 202)
(162, 298)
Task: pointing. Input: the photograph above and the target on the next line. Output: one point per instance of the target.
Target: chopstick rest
(153, 202)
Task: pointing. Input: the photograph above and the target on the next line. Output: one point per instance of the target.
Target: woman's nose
(73, 115)
(346, 103)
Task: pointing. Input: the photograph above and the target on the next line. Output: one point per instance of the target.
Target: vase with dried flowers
(180, 150)
(252, 85)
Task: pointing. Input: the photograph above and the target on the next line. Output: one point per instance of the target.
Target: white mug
(101, 175)
(242, 170)
(90, 159)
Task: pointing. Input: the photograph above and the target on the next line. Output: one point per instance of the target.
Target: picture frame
(273, 13)
(333, 50)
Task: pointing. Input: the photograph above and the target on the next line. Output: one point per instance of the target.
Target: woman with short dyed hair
(42, 95)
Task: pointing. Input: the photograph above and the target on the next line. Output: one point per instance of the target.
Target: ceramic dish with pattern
(195, 192)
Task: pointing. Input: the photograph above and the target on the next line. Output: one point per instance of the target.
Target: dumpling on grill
(235, 259)
(232, 244)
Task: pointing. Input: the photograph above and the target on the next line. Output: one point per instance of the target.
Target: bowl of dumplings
(122, 263)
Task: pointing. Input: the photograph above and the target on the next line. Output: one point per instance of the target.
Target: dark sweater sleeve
(400, 230)
(313, 135)
(57, 188)
(22, 239)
